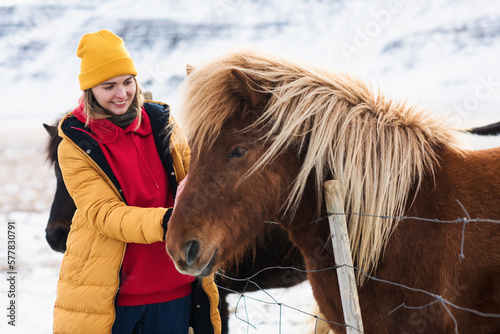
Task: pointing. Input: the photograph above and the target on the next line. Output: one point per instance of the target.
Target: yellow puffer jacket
(102, 226)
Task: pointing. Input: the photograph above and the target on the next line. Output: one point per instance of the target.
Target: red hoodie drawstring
(145, 161)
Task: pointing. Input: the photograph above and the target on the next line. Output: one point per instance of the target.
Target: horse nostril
(192, 248)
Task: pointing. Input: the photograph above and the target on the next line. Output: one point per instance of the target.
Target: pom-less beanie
(103, 56)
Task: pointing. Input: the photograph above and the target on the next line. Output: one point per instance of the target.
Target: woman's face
(116, 94)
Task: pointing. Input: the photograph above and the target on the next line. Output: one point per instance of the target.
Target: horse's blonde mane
(377, 148)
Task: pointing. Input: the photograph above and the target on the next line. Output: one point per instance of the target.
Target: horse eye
(238, 152)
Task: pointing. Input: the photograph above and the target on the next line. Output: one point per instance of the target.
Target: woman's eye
(108, 87)
(238, 152)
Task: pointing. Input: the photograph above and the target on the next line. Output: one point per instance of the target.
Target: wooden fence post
(343, 258)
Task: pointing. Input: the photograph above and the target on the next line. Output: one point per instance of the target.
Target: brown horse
(260, 264)
(265, 134)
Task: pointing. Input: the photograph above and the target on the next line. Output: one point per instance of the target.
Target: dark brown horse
(273, 250)
(276, 130)
(63, 207)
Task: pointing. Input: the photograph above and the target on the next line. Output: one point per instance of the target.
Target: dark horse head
(63, 207)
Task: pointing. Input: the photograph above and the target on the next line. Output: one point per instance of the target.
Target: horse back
(456, 259)
(471, 178)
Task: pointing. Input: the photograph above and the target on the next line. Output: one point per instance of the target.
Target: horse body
(236, 112)
(426, 256)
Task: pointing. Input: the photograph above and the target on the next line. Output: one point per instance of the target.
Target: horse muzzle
(56, 238)
(192, 260)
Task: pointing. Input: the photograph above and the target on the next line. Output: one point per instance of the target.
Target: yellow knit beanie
(104, 56)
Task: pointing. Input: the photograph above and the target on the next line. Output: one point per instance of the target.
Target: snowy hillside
(436, 52)
(442, 54)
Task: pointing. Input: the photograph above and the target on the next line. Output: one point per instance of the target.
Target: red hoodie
(148, 274)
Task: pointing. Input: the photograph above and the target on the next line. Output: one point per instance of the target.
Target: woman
(122, 169)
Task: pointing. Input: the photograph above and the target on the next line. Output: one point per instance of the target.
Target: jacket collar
(105, 131)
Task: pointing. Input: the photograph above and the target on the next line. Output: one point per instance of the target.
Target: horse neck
(306, 227)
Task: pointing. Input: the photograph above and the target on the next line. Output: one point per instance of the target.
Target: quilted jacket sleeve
(100, 203)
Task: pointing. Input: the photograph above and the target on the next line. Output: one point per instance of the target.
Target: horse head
(215, 226)
(63, 207)
(278, 130)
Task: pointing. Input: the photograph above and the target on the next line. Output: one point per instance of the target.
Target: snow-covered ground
(442, 54)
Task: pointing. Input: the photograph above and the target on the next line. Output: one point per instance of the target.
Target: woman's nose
(120, 92)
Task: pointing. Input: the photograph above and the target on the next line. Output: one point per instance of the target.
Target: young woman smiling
(122, 169)
(116, 94)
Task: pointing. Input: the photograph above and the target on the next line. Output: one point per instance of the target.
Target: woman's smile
(116, 94)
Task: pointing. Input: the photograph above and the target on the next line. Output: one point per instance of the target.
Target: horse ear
(189, 69)
(51, 129)
(247, 89)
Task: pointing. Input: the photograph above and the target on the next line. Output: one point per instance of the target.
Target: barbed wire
(275, 302)
(430, 220)
(437, 298)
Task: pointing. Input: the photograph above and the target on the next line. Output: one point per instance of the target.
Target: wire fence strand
(437, 299)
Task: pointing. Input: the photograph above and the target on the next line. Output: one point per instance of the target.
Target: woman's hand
(180, 187)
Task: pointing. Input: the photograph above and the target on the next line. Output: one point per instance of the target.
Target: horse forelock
(379, 149)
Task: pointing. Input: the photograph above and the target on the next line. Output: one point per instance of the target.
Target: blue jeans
(166, 318)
